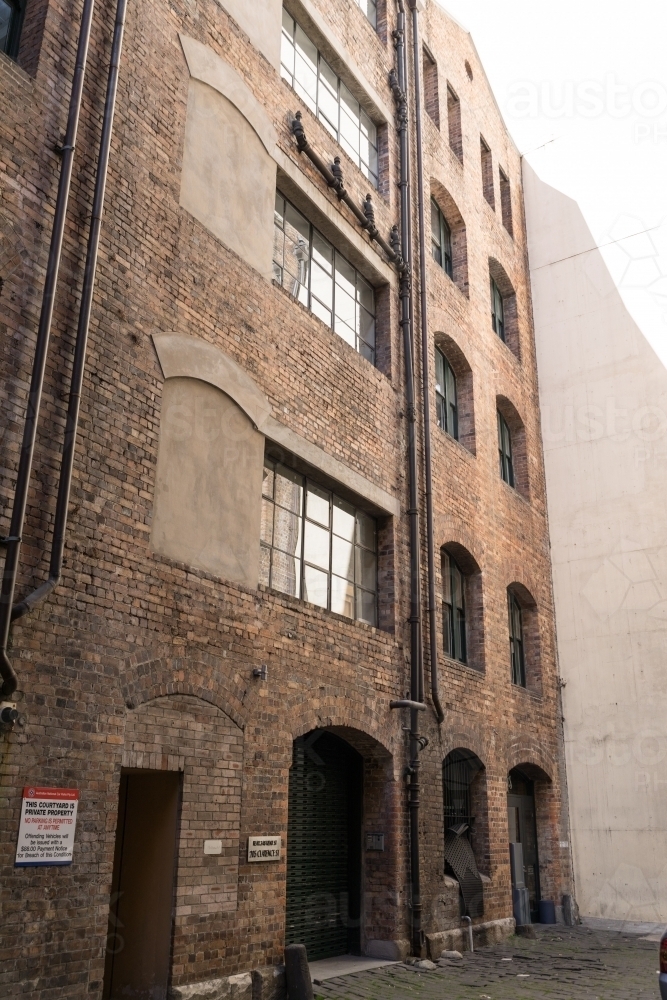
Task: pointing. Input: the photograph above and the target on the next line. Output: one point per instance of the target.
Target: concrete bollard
(297, 973)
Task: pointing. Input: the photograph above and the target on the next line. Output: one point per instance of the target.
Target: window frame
(506, 201)
(517, 640)
(454, 582)
(306, 521)
(497, 314)
(316, 264)
(371, 6)
(505, 451)
(11, 47)
(446, 409)
(323, 86)
(441, 239)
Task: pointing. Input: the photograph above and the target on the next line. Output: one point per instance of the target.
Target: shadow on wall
(603, 396)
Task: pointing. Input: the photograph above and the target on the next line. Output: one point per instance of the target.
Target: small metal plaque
(212, 847)
(375, 842)
(264, 848)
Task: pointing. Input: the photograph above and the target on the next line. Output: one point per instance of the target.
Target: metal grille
(323, 847)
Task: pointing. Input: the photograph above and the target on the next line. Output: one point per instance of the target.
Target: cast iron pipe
(334, 177)
(81, 344)
(426, 392)
(398, 83)
(12, 542)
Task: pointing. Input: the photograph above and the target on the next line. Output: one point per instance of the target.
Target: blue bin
(547, 911)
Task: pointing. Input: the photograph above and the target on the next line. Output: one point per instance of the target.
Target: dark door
(523, 830)
(141, 915)
(324, 846)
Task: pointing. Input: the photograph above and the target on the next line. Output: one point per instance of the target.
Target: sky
(582, 86)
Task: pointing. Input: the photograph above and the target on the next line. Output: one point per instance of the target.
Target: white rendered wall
(603, 396)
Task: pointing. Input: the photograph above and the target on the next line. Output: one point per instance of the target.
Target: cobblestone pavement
(561, 964)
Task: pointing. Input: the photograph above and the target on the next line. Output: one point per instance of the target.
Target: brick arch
(466, 739)
(457, 226)
(530, 756)
(203, 676)
(449, 530)
(506, 289)
(348, 725)
(515, 422)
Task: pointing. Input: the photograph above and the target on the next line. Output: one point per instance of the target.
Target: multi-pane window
(517, 657)
(487, 173)
(506, 201)
(505, 450)
(370, 9)
(497, 311)
(326, 95)
(316, 546)
(454, 123)
(10, 23)
(441, 239)
(453, 607)
(322, 280)
(445, 395)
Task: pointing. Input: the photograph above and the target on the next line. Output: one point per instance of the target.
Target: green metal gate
(324, 846)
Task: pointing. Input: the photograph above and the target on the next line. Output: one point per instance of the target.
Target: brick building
(241, 597)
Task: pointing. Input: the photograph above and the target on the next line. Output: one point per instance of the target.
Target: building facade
(604, 400)
(245, 586)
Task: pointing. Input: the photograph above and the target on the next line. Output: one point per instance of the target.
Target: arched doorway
(523, 830)
(323, 909)
(465, 812)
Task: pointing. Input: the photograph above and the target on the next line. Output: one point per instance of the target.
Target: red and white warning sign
(48, 824)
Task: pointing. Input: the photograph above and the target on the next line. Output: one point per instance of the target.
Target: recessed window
(445, 395)
(517, 656)
(322, 280)
(370, 9)
(454, 123)
(431, 98)
(11, 14)
(304, 68)
(506, 201)
(487, 173)
(454, 610)
(316, 546)
(441, 239)
(505, 450)
(497, 311)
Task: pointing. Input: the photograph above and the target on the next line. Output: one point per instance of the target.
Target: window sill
(299, 604)
(450, 281)
(526, 692)
(517, 494)
(457, 665)
(465, 452)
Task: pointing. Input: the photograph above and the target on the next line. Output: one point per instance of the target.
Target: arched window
(441, 239)
(497, 311)
(466, 825)
(454, 609)
(11, 15)
(517, 653)
(445, 395)
(505, 451)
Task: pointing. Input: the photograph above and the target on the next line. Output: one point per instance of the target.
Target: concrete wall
(603, 395)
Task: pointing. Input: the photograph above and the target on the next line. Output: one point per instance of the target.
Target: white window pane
(345, 275)
(365, 294)
(349, 135)
(331, 129)
(368, 128)
(287, 532)
(322, 252)
(320, 311)
(321, 285)
(366, 327)
(288, 25)
(343, 519)
(342, 558)
(317, 505)
(305, 82)
(366, 607)
(289, 489)
(328, 79)
(366, 531)
(295, 224)
(349, 104)
(316, 545)
(305, 49)
(342, 597)
(345, 307)
(264, 565)
(286, 573)
(328, 110)
(266, 532)
(366, 569)
(346, 332)
(279, 210)
(316, 589)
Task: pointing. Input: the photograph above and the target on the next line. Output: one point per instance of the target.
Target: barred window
(307, 72)
(370, 9)
(445, 395)
(497, 311)
(505, 450)
(316, 546)
(517, 658)
(322, 280)
(441, 239)
(454, 612)
(11, 15)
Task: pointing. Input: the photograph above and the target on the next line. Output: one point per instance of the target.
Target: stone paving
(562, 963)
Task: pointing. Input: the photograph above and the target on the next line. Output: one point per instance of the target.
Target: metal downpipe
(426, 392)
(81, 344)
(12, 542)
